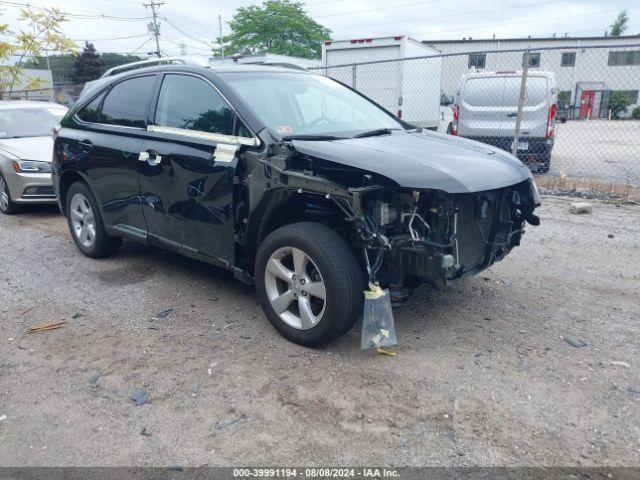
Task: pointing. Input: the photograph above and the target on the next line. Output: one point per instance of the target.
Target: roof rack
(186, 60)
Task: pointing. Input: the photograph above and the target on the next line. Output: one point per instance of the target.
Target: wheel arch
(281, 208)
(68, 178)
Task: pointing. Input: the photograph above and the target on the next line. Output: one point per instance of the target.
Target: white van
(486, 108)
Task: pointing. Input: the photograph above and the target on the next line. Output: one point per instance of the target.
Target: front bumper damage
(406, 236)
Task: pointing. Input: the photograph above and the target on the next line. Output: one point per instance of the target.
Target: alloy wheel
(295, 288)
(82, 220)
(4, 194)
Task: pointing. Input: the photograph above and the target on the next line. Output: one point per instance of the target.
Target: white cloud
(197, 20)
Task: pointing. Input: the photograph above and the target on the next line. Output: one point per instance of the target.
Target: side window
(91, 111)
(190, 103)
(127, 103)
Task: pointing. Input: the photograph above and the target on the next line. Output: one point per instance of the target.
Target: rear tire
(7, 206)
(281, 285)
(85, 223)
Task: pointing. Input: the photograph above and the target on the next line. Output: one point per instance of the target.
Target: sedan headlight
(31, 166)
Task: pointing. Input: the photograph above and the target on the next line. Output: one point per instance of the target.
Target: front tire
(309, 283)
(85, 223)
(7, 206)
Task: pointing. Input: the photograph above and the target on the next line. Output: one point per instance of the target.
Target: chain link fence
(577, 109)
(63, 93)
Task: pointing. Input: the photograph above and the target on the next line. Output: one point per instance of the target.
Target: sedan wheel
(83, 220)
(4, 195)
(295, 288)
(7, 206)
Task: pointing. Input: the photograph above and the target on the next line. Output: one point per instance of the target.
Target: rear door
(480, 107)
(535, 111)
(187, 166)
(110, 132)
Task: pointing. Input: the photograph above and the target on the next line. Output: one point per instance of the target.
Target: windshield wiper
(375, 133)
(312, 138)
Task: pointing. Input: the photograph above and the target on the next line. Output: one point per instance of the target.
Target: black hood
(424, 160)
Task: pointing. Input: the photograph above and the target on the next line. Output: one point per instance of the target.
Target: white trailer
(409, 89)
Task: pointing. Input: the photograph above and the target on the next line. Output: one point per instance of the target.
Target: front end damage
(403, 236)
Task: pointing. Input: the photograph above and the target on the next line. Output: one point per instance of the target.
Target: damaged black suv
(288, 179)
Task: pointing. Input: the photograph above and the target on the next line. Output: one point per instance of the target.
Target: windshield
(299, 104)
(29, 122)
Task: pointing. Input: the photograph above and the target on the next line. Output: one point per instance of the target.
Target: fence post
(353, 75)
(523, 92)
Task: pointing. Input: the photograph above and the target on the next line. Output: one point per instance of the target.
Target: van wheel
(7, 206)
(309, 283)
(85, 223)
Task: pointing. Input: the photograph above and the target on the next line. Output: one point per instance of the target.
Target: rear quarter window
(91, 112)
(127, 103)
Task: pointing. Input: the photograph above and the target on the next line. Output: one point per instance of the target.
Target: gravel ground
(482, 375)
(598, 149)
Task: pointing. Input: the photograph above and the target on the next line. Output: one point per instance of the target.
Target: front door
(586, 103)
(187, 165)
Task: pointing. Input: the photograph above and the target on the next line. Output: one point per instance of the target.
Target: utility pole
(523, 92)
(220, 32)
(154, 27)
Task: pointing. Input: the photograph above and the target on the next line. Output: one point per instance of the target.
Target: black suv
(288, 179)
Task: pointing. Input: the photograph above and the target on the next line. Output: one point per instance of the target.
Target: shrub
(618, 103)
(636, 113)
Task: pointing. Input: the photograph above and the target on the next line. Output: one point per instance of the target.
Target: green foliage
(276, 26)
(635, 114)
(62, 65)
(564, 96)
(115, 59)
(618, 103)
(620, 24)
(88, 65)
(42, 33)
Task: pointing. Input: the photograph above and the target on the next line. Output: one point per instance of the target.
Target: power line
(86, 16)
(142, 45)
(108, 39)
(180, 43)
(200, 23)
(192, 37)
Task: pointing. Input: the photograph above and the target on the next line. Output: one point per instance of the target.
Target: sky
(121, 25)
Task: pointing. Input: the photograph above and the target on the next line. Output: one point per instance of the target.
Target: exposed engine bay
(403, 236)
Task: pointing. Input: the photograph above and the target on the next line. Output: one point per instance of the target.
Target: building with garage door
(590, 71)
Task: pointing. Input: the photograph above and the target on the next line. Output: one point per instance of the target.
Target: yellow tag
(385, 352)
(374, 292)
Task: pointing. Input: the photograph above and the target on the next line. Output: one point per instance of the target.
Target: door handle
(511, 115)
(85, 145)
(151, 157)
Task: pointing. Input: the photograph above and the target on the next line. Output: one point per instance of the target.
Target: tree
(618, 103)
(276, 26)
(42, 34)
(88, 65)
(620, 24)
(62, 65)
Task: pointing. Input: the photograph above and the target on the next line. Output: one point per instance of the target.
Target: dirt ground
(482, 376)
